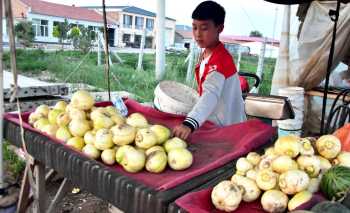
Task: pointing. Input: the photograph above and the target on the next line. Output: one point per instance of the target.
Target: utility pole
(160, 37)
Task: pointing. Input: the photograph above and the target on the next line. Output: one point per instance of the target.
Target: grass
(66, 66)
(15, 164)
(249, 64)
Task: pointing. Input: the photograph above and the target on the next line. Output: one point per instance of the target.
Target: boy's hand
(182, 131)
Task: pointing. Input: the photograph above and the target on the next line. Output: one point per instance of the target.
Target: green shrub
(25, 33)
(15, 164)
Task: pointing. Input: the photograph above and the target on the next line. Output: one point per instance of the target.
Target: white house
(132, 21)
(45, 15)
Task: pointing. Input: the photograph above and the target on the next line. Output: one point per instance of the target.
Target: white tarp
(303, 62)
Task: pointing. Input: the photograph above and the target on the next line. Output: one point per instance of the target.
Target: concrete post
(260, 68)
(239, 58)
(116, 37)
(190, 63)
(98, 50)
(160, 40)
(142, 46)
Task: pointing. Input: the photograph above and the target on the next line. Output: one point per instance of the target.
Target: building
(183, 36)
(45, 15)
(245, 44)
(255, 44)
(133, 21)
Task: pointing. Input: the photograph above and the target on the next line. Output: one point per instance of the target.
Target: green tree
(60, 31)
(255, 33)
(25, 33)
(82, 38)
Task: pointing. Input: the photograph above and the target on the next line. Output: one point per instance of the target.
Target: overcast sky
(242, 16)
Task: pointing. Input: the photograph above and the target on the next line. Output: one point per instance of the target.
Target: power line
(249, 19)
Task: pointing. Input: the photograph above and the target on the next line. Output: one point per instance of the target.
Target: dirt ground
(80, 202)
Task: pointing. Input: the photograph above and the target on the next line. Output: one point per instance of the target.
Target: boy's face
(206, 33)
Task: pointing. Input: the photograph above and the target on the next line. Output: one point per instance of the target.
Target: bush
(82, 38)
(60, 31)
(25, 33)
(15, 164)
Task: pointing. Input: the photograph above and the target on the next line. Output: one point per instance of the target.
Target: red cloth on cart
(212, 147)
(200, 202)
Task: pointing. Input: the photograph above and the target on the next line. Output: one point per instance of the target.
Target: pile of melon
(103, 133)
(287, 174)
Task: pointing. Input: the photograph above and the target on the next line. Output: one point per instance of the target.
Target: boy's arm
(212, 89)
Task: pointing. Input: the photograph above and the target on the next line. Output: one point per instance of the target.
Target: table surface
(117, 189)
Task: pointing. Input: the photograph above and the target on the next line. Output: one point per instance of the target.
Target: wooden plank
(320, 94)
(48, 177)
(40, 194)
(24, 192)
(65, 187)
(31, 180)
(30, 105)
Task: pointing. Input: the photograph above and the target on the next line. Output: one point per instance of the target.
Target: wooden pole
(106, 49)
(11, 32)
(2, 184)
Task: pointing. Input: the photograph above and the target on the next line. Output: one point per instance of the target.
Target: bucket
(173, 97)
(296, 98)
(290, 128)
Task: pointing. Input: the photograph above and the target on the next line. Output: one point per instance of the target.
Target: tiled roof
(187, 34)
(251, 39)
(227, 39)
(130, 9)
(65, 11)
(140, 11)
(183, 27)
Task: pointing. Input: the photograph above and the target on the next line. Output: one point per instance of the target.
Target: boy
(218, 82)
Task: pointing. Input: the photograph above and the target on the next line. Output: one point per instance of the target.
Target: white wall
(51, 19)
(169, 32)
(133, 31)
(169, 26)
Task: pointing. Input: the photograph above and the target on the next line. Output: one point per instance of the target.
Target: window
(149, 24)
(139, 22)
(127, 21)
(126, 38)
(41, 27)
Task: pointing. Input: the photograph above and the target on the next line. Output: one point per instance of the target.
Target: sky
(242, 16)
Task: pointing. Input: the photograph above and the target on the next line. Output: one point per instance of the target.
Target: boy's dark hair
(209, 10)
